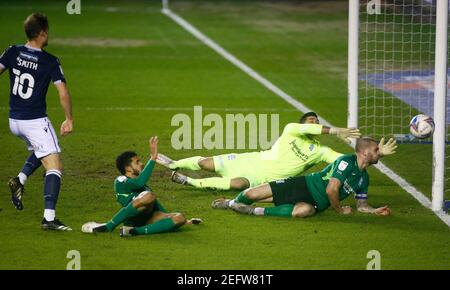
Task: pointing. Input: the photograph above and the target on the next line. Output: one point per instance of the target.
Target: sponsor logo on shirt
(348, 188)
(298, 152)
(28, 56)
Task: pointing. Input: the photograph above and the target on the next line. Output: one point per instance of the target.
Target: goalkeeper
(141, 212)
(294, 152)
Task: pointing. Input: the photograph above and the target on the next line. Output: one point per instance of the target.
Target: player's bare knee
(145, 200)
(251, 194)
(303, 211)
(206, 163)
(239, 184)
(179, 219)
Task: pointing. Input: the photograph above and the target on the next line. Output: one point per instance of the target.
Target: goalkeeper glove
(345, 133)
(388, 148)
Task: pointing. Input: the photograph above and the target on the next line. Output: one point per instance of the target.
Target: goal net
(396, 79)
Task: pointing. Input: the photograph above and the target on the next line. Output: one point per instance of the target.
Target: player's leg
(144, 202)
(214, 183)
(303, 209)
(300, 209)
(246, 197)
(291, 197)
(191, 163)
(16, 184)
(52, 185)
(160, 222)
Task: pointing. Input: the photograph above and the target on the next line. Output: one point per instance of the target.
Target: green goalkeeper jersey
(353, 181)
(294, 152)
(127, 188)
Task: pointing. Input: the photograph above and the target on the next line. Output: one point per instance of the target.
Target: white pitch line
(296, 104)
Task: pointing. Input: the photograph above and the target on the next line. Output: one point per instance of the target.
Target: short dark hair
(363, 143)
(34, 24)
(309, 114)
(124, 160)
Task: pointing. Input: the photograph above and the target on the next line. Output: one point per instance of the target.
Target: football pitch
(130, 69)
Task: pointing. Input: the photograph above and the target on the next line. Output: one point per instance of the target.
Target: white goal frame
(440, 90)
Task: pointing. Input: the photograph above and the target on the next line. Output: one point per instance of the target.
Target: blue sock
(31, 165)
(52, 186)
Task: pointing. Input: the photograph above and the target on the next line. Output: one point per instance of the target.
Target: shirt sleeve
(57, 73)
(142, 179)
(342, 170)
(295, 129)
(329, 155)
(5, 61)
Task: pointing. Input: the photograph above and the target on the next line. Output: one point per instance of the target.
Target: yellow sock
(221, 183)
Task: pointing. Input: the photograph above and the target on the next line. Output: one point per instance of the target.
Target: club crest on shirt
(311, 147)
(342, 165)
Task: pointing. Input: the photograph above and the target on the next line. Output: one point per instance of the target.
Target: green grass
(300, 47)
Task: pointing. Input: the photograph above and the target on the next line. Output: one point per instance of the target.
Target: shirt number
(24, 91)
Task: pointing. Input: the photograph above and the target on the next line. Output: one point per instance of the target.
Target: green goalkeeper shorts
(244, 165)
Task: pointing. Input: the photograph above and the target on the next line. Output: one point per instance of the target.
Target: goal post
(397, 64)
(440, 105)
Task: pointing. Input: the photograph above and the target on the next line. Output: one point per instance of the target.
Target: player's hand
(346, 210)
(388, 148)
(66, 127)
(346, 133)
(153, 142)
(382, 211)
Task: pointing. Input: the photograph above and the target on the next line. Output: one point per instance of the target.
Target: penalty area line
(400, 181)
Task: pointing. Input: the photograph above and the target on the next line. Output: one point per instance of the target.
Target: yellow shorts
(244, 165)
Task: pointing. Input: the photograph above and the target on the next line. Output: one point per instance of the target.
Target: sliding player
(304, 196)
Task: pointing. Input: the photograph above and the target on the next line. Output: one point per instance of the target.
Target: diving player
(294, 152)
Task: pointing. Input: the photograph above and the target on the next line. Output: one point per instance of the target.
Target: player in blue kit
(31, 69)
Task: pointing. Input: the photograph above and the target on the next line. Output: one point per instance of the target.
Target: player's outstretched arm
(295, 129)
(387, 148)
(363, 206)
(344, 134)
(143, 178)
(66, 103)
(333, 195)
(153, 143)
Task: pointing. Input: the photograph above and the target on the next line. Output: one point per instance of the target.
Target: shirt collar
(32, 48)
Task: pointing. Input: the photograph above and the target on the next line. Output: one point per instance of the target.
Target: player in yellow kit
(293, 153)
